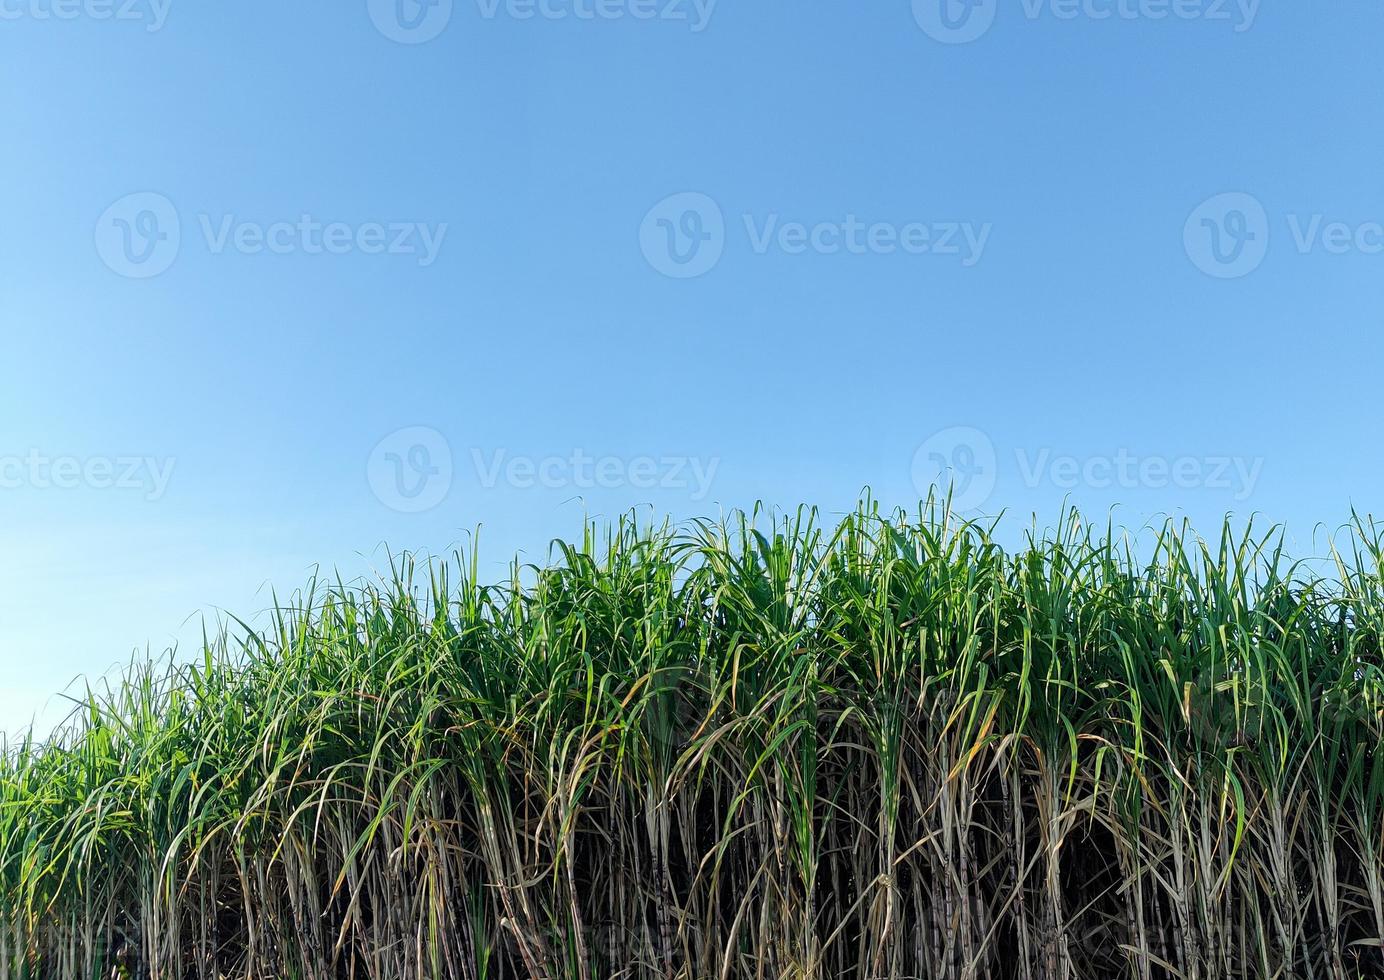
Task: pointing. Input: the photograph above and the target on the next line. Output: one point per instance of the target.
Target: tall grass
(756, 747)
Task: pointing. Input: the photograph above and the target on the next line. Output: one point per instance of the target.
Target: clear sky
(284, 282)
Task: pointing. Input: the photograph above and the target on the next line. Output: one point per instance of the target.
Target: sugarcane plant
(762, 746)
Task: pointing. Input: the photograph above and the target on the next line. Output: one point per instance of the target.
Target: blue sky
(285, 282)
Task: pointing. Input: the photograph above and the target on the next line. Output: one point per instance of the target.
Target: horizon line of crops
(751, 747)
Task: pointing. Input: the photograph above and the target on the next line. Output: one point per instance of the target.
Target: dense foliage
(891, 748)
